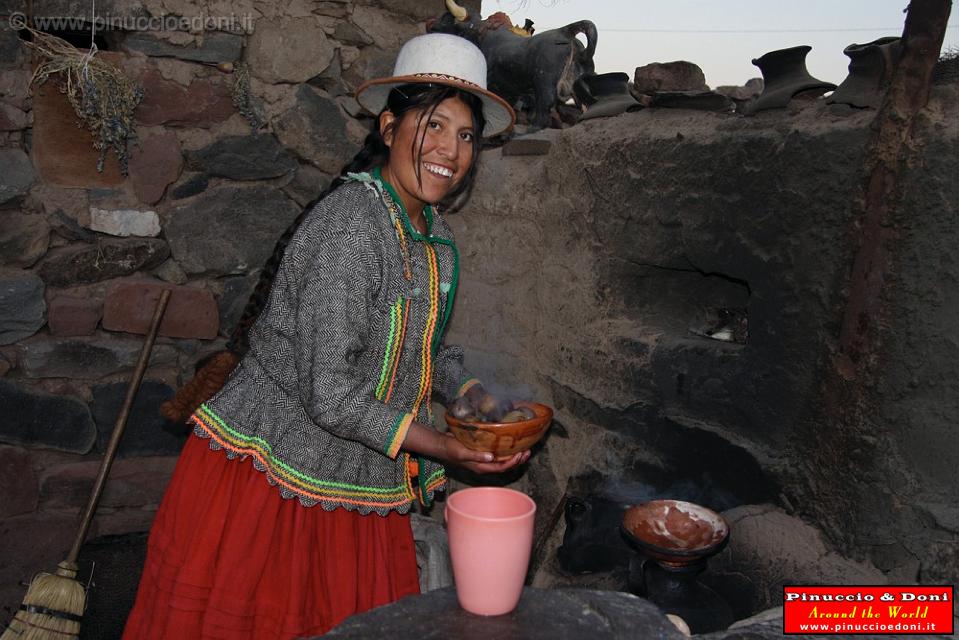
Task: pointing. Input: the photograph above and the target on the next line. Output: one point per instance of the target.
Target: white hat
(441, 58)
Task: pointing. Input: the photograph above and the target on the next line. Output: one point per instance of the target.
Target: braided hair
(419, 100)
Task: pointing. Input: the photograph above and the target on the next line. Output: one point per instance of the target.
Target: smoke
(702, 491)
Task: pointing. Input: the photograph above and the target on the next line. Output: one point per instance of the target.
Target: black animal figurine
(534, 73)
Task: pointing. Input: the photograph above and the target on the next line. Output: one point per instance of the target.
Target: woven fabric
(228, 557)
(344, 356)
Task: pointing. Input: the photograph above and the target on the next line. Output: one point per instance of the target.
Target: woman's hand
(479, 461)
(448, 450)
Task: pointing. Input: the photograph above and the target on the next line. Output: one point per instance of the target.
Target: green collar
(404, 217)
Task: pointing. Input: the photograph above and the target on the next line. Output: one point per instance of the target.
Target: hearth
(673, 540)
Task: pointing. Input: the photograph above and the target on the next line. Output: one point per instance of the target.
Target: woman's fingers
(480, 461)
(499, 466)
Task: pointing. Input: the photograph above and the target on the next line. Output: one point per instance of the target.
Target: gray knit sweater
(345, 356)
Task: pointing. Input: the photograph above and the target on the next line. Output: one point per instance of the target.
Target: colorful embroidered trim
(424, 485)
(450, 293)
(399, 313)
(412, 469)
(401, 222)
(435, 481)
(300, 483)
(426, 355)
(400, 426)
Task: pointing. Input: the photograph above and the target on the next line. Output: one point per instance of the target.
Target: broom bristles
(52, 608)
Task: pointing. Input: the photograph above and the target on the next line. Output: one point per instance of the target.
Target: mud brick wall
(592, 266)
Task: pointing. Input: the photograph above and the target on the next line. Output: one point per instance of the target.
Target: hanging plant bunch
(102, 96)
(243, 99)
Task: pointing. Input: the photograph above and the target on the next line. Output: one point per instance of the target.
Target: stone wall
(84, 254)
(591, 271)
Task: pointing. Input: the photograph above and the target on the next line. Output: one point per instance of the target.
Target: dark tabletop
(553, 614)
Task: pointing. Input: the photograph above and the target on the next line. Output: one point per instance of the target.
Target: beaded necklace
(401, 236)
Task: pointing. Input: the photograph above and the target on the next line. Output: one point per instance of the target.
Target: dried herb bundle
(243, 100)
(103, 98)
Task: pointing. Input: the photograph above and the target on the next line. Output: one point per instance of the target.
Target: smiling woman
(442, 146)
(288, 508)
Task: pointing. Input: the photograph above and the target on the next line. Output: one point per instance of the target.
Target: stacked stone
(84, 254)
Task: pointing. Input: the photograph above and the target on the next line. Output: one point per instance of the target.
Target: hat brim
(499, 116)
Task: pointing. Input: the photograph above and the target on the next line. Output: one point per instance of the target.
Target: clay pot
(870, 71)
(605, 95)
(784, 76)
(503, 439)
(675, 533)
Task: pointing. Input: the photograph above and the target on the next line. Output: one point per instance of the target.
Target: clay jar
(605, 94)
(870, 71)
(784, 76)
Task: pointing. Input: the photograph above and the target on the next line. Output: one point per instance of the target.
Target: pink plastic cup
(491, 536)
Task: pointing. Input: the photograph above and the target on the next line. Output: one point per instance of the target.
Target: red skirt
(228, 557)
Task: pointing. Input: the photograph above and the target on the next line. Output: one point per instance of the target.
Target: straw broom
(54, 604)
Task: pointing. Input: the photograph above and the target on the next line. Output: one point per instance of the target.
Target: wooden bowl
(503, 439)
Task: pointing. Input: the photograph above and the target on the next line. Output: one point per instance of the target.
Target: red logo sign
(896, 609)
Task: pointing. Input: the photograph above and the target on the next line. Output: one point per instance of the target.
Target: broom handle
(120, 425)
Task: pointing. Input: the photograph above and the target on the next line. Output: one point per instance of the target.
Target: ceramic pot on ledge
(870, 71)
(605, 95)
(784, 76)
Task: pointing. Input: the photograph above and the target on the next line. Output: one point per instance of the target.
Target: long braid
(374, 152)
(213, 371)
